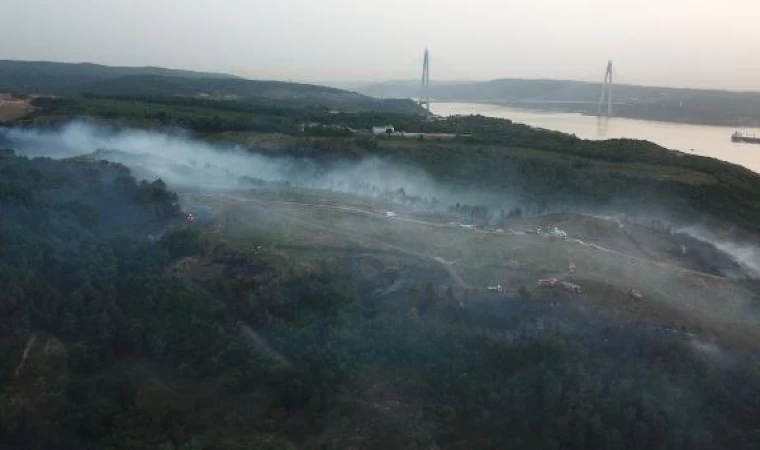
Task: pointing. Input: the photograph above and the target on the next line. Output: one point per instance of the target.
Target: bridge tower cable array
(606, 93)
(424, 99)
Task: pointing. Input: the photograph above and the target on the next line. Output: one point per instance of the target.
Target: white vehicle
(496, 288)
(557, 233)
(574, 288)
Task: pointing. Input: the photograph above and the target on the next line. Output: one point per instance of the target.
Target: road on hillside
(447, 265)
(262, 206)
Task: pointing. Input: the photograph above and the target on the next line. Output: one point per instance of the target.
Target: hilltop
(62, 78)
(21, 77)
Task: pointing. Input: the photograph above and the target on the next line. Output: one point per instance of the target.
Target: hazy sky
(697, 43)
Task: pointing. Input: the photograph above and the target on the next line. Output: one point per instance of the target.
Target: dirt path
(260, 204)
(448, 267)
(359, 211)
(260, 344)
(263, 347)
(27, 348)
(680, 270)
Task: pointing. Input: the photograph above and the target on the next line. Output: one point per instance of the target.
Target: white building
(384, 129)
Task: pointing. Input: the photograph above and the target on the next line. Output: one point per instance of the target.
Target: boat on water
(745, 137)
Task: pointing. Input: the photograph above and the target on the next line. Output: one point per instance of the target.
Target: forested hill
(277, 93)
(698, 106)
(112, 340)
(21, 77)
(84, 290)
(62, 78)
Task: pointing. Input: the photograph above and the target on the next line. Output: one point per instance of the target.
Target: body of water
(701, 140)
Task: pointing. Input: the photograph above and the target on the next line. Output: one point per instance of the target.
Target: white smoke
(747, 255)
(182, 161)
(175, 158)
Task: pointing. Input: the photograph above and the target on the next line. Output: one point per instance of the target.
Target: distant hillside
(212, 87)
(73, 79)
(62, 78)
(711, 107)
(276, 92)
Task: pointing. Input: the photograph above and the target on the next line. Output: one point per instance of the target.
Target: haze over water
(712, 141)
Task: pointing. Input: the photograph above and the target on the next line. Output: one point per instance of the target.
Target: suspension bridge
(604, 104)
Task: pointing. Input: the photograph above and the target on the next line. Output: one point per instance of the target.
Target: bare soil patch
(12, 108)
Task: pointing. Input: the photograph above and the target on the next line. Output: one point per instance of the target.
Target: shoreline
(531, 107)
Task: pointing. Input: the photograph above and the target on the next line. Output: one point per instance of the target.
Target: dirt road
(25, 355)
(263, 205)
(263, 347)
(447, 265)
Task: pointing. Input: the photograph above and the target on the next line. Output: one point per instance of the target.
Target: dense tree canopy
(110, 341)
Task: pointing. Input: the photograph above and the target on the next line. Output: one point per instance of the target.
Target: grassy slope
(634, 257)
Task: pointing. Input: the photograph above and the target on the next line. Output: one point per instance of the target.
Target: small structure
(383, 129)
(390, 214)
(513, 264)
(558, 234)
(635, 294)
(496, 288)
(571, 287)
(189, 219)
(548, 282)
(571, 268)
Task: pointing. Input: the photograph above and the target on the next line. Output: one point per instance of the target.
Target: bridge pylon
(606, 93)
(424, 99)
